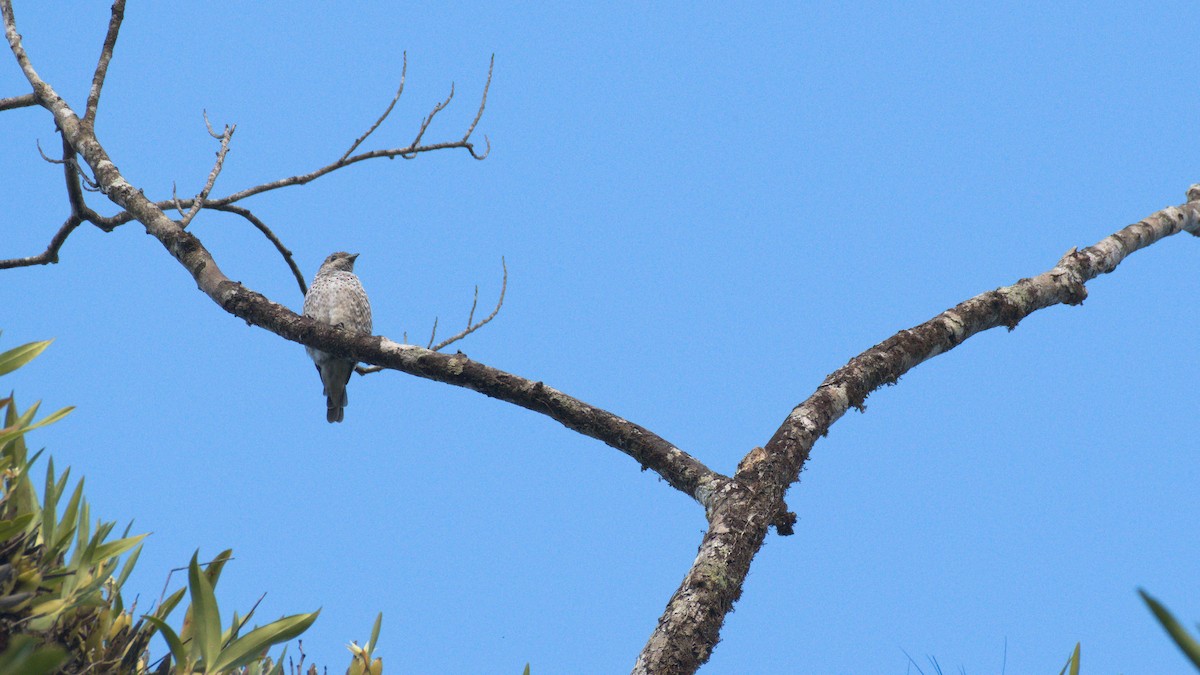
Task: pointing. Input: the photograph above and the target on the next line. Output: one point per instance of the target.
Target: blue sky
(704, 210)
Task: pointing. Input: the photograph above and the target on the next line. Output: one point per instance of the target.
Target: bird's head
(339, 261)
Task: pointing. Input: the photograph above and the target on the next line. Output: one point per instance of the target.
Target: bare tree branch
(50, 255)
(198, 202)
(471, 328)
(387, 111)
(408, 152)
(482, 103)
(677, 468)
(429, 118)
(432, 334)
(106, 52)
(739, 509)
(22, 101)
(45, 158)
(262, 227)
(80, 212)
(690, 626)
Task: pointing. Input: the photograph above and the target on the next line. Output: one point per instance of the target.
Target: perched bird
(336, 297)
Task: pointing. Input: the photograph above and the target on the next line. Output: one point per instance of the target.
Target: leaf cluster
(61, 608)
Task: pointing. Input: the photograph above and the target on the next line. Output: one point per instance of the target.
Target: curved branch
(262, 227)
(50, 255)
(690, 626)
(80, 213)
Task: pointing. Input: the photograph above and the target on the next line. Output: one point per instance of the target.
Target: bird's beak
(353, 257)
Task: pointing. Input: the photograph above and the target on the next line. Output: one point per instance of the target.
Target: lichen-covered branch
(22, 101)
(106, 53)
(689, 627)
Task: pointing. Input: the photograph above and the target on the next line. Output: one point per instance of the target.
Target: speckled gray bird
(336, 297)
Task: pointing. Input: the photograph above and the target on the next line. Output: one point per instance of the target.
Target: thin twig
(80, 212)
(175, 200)
(432, 335)
(262, 227)
(471, 328)
(74, 175)
(474, 304)
(224, 137)
(106, 53)
(89, 183)
(173, 570)
(400, 90)
(22, 101)
(50, 255)
(41, 152)
(242, 623)
(408, 152)
(302, 179)
(429, 118)
(482, 102)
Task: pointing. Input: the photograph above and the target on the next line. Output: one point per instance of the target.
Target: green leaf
(115, 548)
(248, 647)
(129, 563)
(216, 565)
(11, 528)
(25, 657)
(375, 633)
(70, 517)
(173, 642)
(1189, 645)
(19, 356)
(164, 610)
(49, 508)
(277, 668)
(14, 431)
(206, 620)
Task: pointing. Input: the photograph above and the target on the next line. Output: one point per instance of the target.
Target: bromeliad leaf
(173, 642)
(1187, 643)
(251, 645)
(206, 619)
(19, 356)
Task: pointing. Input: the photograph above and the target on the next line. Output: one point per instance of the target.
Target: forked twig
(198, 202)
(429, 118)
(80, 212)
(471, 328)
(409, 152)
(400, 90)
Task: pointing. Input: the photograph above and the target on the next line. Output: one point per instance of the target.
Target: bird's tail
(334, 376)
